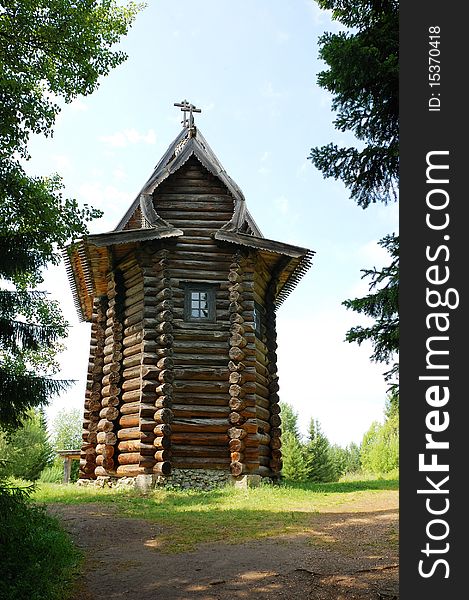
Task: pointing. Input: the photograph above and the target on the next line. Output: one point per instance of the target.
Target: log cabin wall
(132, 349)
(167, 388)
(275, 462)
(147, 374)
(111, 377)
(265, 369)
(93, 390)
(198, 203)
(157, 363)
(243, 433)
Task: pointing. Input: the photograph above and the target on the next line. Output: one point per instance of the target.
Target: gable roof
(190, 142)
(88, 260)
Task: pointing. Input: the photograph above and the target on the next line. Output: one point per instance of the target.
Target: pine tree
(27, 451)
(318, 455)
(362, 75)
(382, 304)
(295, 466)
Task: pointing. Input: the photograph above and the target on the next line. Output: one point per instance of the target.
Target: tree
(289, 420)
(363, 77)
(27, 451)
(345, 460)
(382, 304)
(318, 455)
(380, 446)
(295, 467)
(67, 429)
(49, 50)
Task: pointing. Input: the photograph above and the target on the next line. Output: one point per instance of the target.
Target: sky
(251, 66)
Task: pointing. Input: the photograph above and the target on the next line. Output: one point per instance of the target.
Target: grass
(189, 517)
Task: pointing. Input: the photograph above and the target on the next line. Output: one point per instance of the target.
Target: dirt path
(353, 556)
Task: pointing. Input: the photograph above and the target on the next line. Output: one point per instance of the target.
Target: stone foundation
(198, 479)
(182, 479)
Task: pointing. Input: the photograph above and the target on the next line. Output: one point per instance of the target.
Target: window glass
(200, 304)
(258, 313)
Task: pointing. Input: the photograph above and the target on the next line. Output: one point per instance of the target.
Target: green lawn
(231, 515)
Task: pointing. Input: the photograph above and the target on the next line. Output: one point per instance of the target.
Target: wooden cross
(186, 106)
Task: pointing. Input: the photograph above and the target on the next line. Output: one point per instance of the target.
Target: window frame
(210, 290)
(260, 311)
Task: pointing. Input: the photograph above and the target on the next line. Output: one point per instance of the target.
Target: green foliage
(39, 561)
(381, 304)
(316, 460)
(67, 429)
(363, 77)
(50, 50)
(53, 473)
(27, 451)
(295, 467)
(66, 435)
(345, 460)
(289, 419)
(318, 455)
(380, 446)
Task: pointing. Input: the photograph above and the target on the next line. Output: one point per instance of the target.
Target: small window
(199, 304)
(258, 314)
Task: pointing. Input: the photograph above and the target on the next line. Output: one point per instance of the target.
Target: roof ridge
(189, 142)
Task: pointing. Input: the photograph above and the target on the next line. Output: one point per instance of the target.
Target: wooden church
(182, 297)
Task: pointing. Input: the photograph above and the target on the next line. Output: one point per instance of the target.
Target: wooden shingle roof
(88, 260)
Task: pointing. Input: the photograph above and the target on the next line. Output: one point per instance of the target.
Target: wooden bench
(68, 456)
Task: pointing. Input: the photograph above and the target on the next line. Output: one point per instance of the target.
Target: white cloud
(323, 18)
(96, 193)
(263, 171)
(122, 139)
(110, 199)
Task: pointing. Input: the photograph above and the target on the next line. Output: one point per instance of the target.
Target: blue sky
(251, 66)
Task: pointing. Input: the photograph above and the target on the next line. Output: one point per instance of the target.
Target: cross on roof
(188, 107)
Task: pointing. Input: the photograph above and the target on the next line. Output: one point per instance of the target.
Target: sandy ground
(355, 558)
